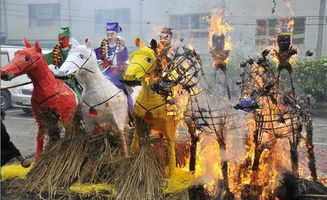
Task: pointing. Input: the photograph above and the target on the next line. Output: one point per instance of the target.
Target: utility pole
(141, 19)
(321, 27)
(70, 14)
(5, 16)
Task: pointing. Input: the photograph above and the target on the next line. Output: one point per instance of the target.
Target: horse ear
(26, 43)
(87, 42)
(138, 42)
(153, 44)
(38, 47)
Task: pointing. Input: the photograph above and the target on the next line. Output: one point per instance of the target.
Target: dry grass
(140, 176)
(86, 158)
(182, 149)
(78, 156)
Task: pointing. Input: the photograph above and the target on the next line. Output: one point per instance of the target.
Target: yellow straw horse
(150, 105)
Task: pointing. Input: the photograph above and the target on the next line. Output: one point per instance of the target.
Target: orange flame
(219, 26)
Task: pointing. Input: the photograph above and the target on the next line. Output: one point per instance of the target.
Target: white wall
(153, 15)
(18, 22)
(241, 14)
(2, 19)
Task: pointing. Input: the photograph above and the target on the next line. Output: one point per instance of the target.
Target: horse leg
(125, 140)
(39, 142)
(170, 133)
(121, 119)
(135, 141)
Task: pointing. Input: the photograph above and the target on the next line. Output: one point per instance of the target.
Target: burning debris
(220, 44)
(277, 120)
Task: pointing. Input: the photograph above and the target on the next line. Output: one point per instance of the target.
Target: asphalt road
(22, 129)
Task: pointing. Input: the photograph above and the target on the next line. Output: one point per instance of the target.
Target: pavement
(22, 129)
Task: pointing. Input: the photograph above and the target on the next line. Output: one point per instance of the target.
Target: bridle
(145, 71)
(81, 67)
(31, 64)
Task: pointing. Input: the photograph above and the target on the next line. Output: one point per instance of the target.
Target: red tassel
(99, 130)
(148, 116)
(105, 63)
(93, 112)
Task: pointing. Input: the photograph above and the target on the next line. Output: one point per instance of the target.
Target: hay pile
(77, 157)
(140, 176)
(80, 165)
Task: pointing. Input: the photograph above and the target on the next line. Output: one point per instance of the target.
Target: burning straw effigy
(279, 116)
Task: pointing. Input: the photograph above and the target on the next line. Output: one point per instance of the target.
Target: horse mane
(145, 51)
(81, 48)
(23, 52)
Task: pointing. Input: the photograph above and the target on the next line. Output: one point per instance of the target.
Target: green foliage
(311, 77)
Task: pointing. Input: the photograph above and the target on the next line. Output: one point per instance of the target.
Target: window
(184, 22)
(195, 21)
(300, 25)
(120, 15)
(4, 58)
(298, 40)
(261, 27)
(44, 15)
(272, 24)
(267, 30)
(193, 25)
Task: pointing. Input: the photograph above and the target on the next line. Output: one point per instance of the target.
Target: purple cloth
(121, 56)
(248, 104)
(113, 73)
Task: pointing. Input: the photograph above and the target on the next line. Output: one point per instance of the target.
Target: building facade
(253, 21)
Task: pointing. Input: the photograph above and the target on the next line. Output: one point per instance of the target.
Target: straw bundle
(77, 157)
(140, 176)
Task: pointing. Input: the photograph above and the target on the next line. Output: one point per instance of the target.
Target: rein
(145, 71)
(13, 86)
(49, 97)
(81, 67)
(149, 110)
(92, 107)
(17, 65)
(31, 64)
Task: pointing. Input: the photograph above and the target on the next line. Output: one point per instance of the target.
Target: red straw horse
(48, 92)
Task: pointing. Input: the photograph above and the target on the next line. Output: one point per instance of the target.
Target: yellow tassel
(56, 56)
(103, 48)
(181, 180)
(14, 171)
(87, 188)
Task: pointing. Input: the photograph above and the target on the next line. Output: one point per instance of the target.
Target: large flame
(273, 157)
(219, 27)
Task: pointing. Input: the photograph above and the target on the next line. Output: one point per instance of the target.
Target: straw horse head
(149, 105)
(48, 93)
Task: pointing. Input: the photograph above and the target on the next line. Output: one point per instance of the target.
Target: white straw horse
(104, 106)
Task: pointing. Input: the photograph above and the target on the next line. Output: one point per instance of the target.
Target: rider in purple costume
(114, 55)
